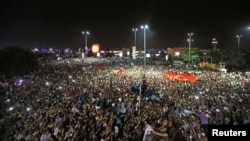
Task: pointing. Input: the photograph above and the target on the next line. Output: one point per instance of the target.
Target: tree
(234, 59)
(246, 54)
(192, 56)
(162, 55)
(217, 56)
(17, 61)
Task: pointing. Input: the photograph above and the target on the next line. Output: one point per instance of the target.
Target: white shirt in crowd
(116, 129)
(148, 130)
(45, 137)
(74, 109)
(56, 130)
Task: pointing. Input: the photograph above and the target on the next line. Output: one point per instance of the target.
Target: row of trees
(17, 61)
(233, 58)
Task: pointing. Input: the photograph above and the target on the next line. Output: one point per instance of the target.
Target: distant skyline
(59, 24)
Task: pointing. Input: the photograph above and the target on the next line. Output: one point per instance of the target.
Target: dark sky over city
(59, 24)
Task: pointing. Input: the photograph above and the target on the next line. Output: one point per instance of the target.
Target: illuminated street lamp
(144, 27)
(135, 30)
(238, 36)
(86, 33)
(189, 46)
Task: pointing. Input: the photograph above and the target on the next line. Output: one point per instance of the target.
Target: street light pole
(189, 46)
(144, 27)
(221, 56)
(135, 30)
(238, 36)
(86, 33)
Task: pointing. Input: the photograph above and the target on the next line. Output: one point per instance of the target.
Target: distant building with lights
(174, 51)
(177, 51)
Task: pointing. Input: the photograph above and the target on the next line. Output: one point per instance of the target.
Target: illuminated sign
(95, 48)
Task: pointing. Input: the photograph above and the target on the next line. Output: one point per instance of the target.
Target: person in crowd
(79, 101)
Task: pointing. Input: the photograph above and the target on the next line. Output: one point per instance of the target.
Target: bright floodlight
(238, 36)
(189, 46)
(85, 32)
(134, 29)
(144, 27)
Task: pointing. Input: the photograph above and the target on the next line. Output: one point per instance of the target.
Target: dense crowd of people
(96, 101)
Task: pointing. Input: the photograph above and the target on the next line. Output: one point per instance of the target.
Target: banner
(180, 77)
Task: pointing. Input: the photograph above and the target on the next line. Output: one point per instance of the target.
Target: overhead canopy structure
(180, 76)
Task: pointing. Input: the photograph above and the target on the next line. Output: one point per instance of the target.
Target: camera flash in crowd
(28, 109)
(11, 108)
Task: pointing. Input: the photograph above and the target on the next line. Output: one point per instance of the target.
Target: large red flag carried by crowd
(179, 76)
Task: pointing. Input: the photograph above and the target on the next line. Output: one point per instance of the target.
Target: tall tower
(214, 44)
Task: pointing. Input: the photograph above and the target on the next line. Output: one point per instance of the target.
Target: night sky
(59, 24)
